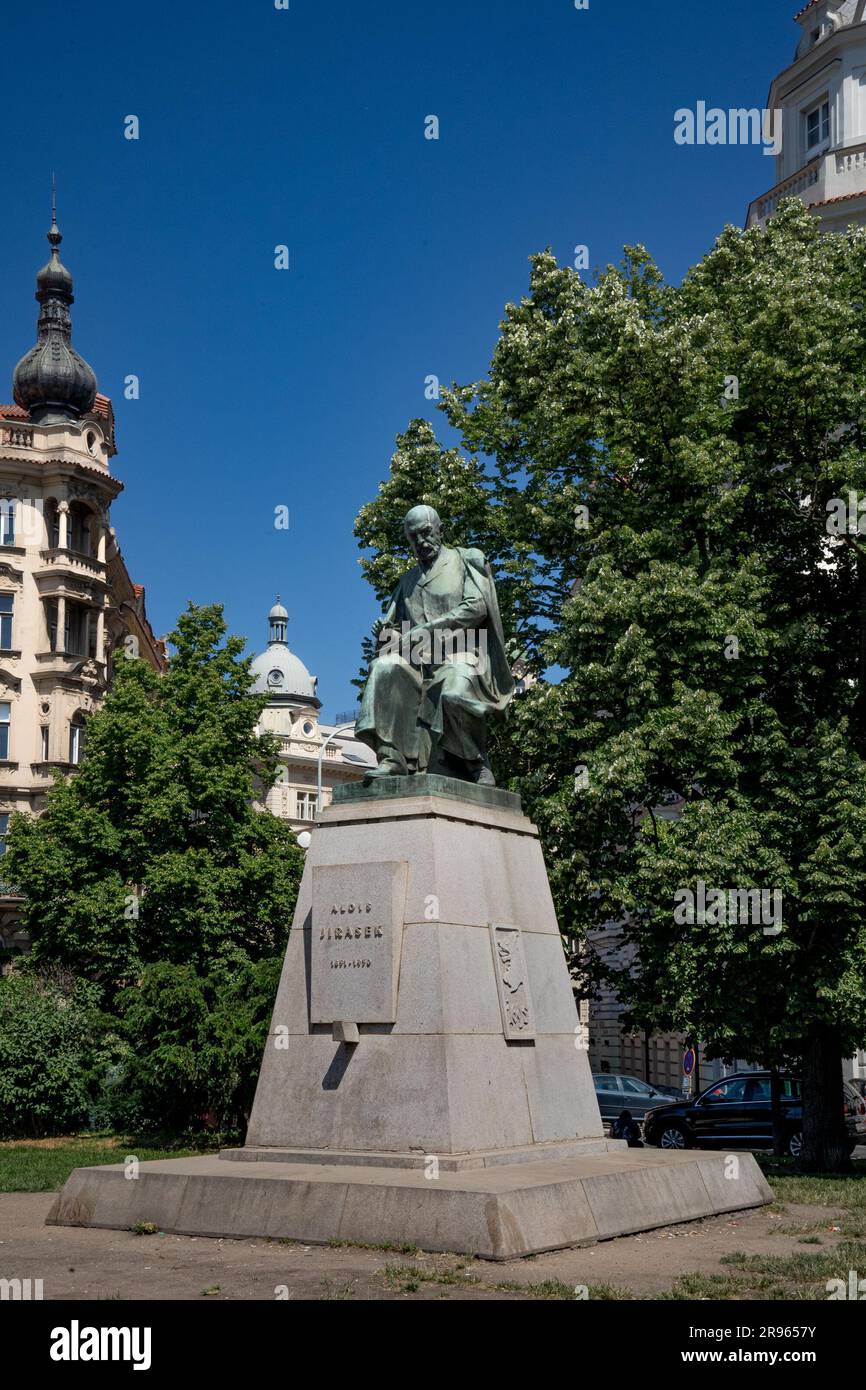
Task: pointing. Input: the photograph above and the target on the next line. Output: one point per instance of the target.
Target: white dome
(277, 671)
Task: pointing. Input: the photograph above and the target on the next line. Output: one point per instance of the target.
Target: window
(79, 525)
(4, 831)
(76, 628)
(306, 805)
(44, 736)
(6, 602)
(727, 1091)
(759, 1089)
(818, 126)
(5, 720)
(53, 523)
(76, 740)
(634, 1087)
(7, 522)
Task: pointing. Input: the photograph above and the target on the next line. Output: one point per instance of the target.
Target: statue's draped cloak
(449, 698)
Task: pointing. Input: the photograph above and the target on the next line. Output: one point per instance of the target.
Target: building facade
(821, 101)
(292, 716)
(68, 607)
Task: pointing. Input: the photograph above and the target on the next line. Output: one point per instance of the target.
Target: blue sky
(305, 127)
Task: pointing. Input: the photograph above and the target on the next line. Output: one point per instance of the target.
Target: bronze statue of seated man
(441, 665)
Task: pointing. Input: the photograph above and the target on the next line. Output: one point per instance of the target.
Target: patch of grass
(44, 1165)
(854, 1227)
(845, 1190)
(701, 1286)
(211, 1292)
(145, 1228)
(386, 1246)
(332, 1291)
(409, 1278)
(802, 1267)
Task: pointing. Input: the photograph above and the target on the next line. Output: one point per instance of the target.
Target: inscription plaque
(357, 933)
(509, 964)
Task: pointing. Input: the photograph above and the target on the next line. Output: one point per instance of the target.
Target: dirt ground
(86, 1264)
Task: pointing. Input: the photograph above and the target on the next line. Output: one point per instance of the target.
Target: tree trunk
(779, 1138)
(825, 1146)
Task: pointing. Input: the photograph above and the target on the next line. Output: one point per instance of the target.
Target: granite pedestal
(424, 1079)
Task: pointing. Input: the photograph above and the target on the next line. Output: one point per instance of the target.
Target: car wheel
(795, 1144)
(674, 1137)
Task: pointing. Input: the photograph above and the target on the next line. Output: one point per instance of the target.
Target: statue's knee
(389, 662)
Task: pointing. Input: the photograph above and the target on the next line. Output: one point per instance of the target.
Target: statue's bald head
(424, 533)
(426, 516)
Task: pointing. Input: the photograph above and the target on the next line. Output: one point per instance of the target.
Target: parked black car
(616, 1093)
(735, 1112)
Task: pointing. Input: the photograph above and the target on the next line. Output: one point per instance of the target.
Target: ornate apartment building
(67, 603)
(822, 100)
(292, 714)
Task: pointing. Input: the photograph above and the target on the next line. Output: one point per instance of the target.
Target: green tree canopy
(155, 851)
(656, 467)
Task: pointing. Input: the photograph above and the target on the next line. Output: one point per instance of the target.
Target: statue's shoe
(483, 777)
(388, 767)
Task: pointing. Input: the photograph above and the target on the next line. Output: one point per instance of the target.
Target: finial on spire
(54, 236)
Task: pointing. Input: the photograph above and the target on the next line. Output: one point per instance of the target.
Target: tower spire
(52, 381)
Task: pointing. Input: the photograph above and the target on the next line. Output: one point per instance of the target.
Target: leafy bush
(55, 1051)
(193, 1046)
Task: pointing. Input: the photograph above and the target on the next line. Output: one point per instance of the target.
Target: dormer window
(818, 127)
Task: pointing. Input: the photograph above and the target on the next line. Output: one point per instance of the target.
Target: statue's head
(424, 533)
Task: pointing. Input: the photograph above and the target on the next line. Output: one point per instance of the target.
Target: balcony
(71, 664)
(839, 173)
(70, 562)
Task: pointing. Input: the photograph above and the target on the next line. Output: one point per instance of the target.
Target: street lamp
(341, 729)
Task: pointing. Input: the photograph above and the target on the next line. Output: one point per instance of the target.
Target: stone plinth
(423, 1079)
(447, 1072)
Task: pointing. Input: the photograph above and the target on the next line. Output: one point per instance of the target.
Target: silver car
(617, 1093)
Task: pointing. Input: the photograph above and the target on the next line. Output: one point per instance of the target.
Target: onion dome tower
(52, 382)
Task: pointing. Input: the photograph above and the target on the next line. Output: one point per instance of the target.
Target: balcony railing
(791, 187)
(17, 436)
(836, 174)
(74, 560)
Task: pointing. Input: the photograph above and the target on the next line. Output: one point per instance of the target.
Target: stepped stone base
(425, 1079)
(498, 1213)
